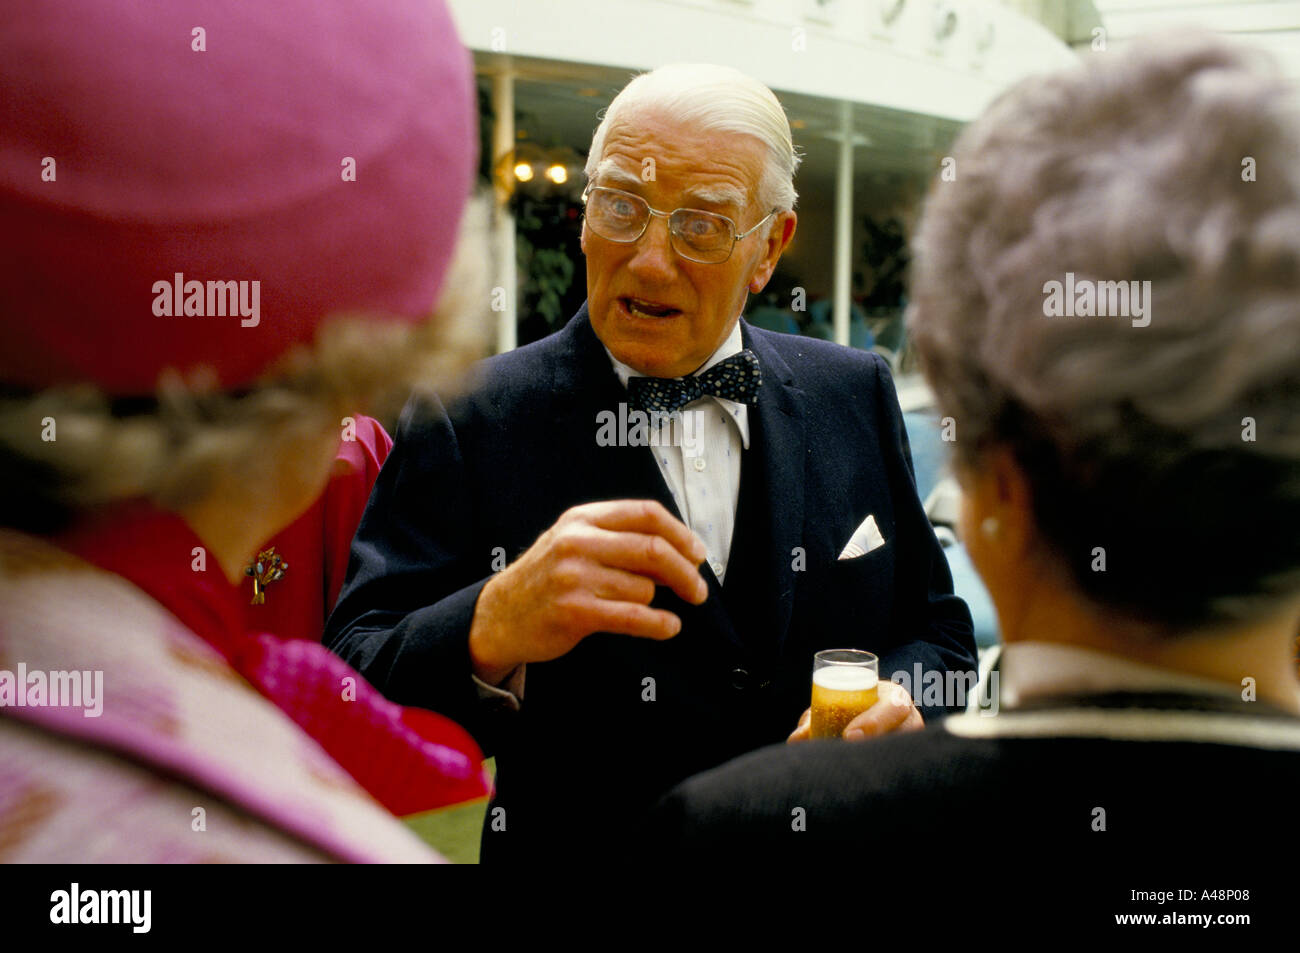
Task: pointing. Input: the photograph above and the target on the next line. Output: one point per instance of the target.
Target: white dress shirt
(704, 477)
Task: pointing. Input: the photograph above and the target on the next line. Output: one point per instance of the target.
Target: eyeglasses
(696, 235)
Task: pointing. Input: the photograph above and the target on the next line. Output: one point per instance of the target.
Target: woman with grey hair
(1106, 301)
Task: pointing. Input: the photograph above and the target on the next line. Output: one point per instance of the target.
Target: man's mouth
(641, 308)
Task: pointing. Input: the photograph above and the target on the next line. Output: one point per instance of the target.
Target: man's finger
(631, 618)
(879, 719)
(804, 731)
(893, 711)
(647, 555)
(646, 516)
(617, 585)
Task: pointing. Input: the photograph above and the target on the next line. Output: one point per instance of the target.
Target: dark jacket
(589, 753)
(1103, 793)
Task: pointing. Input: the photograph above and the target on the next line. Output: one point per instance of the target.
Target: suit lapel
(769, 516)
(584, 376)
(586, 379)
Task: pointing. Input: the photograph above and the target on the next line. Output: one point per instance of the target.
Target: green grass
(453, 831)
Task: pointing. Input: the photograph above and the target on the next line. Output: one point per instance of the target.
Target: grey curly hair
(1174, 446)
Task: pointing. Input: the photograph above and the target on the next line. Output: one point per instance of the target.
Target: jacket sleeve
(944, 637)
(404, 614)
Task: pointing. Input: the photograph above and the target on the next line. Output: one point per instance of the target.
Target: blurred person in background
(1131, 491)
(186, 199)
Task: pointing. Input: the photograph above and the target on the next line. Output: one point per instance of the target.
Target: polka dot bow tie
(737, 378)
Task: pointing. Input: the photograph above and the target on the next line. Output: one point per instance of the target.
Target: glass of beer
(843, 687)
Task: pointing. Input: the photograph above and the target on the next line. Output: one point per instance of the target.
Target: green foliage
(884, 260)
(548, 224)
(548, 230)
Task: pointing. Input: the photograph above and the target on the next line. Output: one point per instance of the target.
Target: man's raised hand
(594, 570)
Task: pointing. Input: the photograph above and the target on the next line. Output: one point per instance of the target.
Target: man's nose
(654, 258)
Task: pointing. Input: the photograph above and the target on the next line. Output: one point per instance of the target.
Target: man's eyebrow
(718, 195)
(608, 171)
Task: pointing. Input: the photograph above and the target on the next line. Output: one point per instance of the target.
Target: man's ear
(582, 236)
(778, 239)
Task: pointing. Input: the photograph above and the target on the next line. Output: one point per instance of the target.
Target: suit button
(740, 679)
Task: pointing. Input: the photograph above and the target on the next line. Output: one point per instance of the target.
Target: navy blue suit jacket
(590, 750)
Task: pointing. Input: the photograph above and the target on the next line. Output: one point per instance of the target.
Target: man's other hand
(894, 710)
(595, 570)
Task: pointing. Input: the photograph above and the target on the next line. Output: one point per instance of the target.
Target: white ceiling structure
(914, 70)
(570, 57)
(1271, 24)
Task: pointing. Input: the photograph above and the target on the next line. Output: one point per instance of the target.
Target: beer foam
(844, 678)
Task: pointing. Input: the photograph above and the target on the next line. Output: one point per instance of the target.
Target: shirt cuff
(509, 693)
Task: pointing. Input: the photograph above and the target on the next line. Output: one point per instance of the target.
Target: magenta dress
(317, 544)
(204, 742)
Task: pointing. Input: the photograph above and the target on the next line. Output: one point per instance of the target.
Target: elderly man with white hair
(614, 558)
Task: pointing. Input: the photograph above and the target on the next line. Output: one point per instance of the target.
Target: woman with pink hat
(221, 234)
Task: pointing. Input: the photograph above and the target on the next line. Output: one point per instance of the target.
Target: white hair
(713, 99)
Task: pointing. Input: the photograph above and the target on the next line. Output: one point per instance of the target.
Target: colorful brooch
(269, 568)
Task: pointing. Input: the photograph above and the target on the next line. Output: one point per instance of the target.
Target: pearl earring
(990, 527)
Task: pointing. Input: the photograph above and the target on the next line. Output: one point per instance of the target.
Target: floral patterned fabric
(185, 762)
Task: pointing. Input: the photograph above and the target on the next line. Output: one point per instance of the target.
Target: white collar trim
(1128, 724)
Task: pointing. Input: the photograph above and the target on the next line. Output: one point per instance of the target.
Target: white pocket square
(865, 538)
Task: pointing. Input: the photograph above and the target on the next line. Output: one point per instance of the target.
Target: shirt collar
(731, 345)
(1029, 671)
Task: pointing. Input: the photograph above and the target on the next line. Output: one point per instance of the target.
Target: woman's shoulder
(111, 684)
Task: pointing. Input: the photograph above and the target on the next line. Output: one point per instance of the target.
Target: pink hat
(177, 182)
